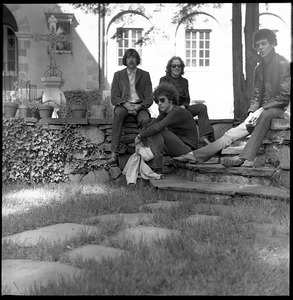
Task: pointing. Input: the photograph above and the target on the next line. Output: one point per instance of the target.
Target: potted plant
(10, 105)
(23, 108)
(78, 110)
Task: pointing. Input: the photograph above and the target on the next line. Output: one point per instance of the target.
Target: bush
(86, 98)
(35, 154)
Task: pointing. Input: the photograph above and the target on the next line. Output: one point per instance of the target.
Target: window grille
(197, 48)
(128, 38)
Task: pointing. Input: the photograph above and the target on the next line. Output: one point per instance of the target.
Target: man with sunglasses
(174, 71)
(131, 95)
(173, 132)
(272, 89)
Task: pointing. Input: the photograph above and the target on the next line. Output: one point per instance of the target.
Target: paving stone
(201, 218)
(161, 204)
(130, 219)
(145, 234)
(96, 252)
(25, 272)
(54, 233)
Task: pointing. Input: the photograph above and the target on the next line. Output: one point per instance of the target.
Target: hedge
(36, 154)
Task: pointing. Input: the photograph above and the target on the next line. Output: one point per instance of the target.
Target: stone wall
(275, 150)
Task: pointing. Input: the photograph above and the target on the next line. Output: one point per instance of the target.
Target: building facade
(88, 49)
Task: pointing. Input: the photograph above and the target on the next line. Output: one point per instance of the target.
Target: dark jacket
(120, 89)
(179, 121)
(278, 87)
(184, 97)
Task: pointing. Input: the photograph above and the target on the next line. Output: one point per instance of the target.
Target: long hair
(168, 90)
(264, 34)
(128, 53)
(168, 67)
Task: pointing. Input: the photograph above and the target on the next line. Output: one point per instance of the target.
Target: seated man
(131, 94)
(270, 99)
(173, 132)
(174, 71)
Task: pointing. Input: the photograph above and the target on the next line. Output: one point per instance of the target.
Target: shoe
(248, 164)
(158, 170)
(113, 160)
(188, 157)
(234, 161)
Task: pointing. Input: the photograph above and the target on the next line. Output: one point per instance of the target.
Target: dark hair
(128, 53)
(168, 67)
(168, 90)
(264, 34)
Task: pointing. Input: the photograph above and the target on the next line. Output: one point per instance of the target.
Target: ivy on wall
(36, 154)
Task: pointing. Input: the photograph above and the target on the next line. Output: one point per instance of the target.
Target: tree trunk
(238, 80)
(251, 57)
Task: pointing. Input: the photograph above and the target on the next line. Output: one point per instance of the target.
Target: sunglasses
(162, 100)
(174, 66)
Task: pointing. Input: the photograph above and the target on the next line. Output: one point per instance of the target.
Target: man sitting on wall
(272, 88)
(131, 95)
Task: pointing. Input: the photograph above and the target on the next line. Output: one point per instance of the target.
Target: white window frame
(127, 38)
(198, 48)
(9, 62)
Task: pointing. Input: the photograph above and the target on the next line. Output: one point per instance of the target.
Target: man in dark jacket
(174, 71)
(131, 94)
(272, 88)
(173, 132)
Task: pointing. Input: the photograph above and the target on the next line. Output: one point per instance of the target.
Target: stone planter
(45, 111)
(10, 109)
(23, 111)
(78, 111)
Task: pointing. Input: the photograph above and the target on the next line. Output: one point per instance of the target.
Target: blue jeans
(165, 142)
(253, 144)
(120, 115)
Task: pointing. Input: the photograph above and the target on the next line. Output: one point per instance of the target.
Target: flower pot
(45, 111)
(10, 109)
(78, 111)
(97, 111)
(23, 111)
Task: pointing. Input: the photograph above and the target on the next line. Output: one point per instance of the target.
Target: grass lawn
(205, 258)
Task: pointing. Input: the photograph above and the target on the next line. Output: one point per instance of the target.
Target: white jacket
(136, 165)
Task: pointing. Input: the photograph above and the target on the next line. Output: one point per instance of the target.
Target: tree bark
(251, 57)
(238, 78)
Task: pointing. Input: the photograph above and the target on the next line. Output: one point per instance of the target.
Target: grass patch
(204, 258)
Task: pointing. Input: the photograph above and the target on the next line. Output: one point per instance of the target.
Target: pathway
(18, 274)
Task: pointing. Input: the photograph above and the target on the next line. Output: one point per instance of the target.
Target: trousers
(254, 142)
(165, 142)
(120, 115)
(205, 127)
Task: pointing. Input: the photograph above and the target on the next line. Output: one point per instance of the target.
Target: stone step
(217, 173)
(220, 190)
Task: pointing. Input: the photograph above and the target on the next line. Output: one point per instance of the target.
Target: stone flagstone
(18, 274)
(131, 219)
(145, 234)
(53, 233)
(96, 252)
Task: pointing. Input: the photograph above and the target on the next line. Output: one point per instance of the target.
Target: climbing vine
(36, 154)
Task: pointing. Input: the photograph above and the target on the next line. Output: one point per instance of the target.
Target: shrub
(35, 154)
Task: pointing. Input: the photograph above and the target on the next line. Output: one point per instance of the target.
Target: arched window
(10, 63)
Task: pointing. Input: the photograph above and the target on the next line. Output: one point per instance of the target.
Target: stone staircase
(270, 178)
